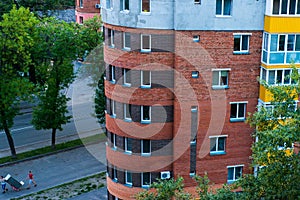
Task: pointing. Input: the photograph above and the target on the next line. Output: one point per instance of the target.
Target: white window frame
(222, 10)
(142, 147)
(288, 8)
(113, 73)
(126, 145)
(143, 49)
(123, 6)
(237, 118)
(217, 151)
(219, 85)
(234, 172)
(113, 108)
(115, 174)
(126, 178)
(142, 113)
(114, 143)
(142, 79)
(81, 3)
(241, 35)
(112, 38)
(275, 77)
(125, 75)
(125, 112)
(147, 12)
(142, 180)
(124, 41)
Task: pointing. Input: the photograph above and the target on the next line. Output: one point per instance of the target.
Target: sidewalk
(56, 169)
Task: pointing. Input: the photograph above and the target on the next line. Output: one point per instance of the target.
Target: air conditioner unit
(97, 6)
(165, 175)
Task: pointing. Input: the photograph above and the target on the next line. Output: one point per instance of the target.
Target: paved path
(57, 169)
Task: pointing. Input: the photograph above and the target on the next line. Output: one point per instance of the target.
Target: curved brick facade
(198, 84)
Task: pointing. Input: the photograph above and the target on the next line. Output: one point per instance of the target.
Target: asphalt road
(57, 169)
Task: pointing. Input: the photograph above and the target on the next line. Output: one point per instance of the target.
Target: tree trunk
(10, 140)
(53, 138)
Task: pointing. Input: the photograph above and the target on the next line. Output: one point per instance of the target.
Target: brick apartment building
(85, 9)
(181, 77)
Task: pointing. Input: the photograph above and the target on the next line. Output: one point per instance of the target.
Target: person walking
(3, 184)
(31, 180)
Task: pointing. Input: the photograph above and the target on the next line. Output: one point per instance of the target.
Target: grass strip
(58, 147)
(70, 189)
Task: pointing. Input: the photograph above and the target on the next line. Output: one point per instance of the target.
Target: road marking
(18, 129)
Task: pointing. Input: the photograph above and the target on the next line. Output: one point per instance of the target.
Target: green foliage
(165, 190)
(279, 175)
(15, 40)
(100, 101)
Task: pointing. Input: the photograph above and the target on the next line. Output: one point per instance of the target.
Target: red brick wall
(88, 6)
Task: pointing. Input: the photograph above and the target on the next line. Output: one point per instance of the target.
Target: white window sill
(127, 120)
(145, 186)
(146, 86)
(146, 122)
(215, 153)
(126, 85)
(223, 16)
(145, 13)
(145, 50)
(126, 49)
(113, 82)
(113, 116)
(237, 119)
(146, 154)
(128, 152)
(219, 87)
(241, 52)
(125, 11)
(128, 185)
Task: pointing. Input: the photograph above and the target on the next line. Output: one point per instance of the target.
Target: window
(126, 77)
(195, 74)
(128, 178)
(286, 7)
(238, 111)
(146, 6)
(113, 108)
(126, 41)
(217, 144)
(127, 112)
(128, 145)
(125, 5)
(146, 179)
(145, 43)
(241, 43)
(115, 174)
(80, 20)
(276, 76)
(223, 7)
(220, 78)
(196, 38)
(81, 3)
(145, 147)
(111, 38)
(234, 172)
(145, 79)
(113, 140)
(112, 70)
(109, 4)
(146, 114)
(197, 1)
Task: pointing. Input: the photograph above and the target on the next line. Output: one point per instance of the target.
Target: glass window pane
(146, 178)
(127, 76)
(227, 7)
(146, 146)
(215, 78)
(266, 41)
(241, 110)
(128, 144)
(126, 5)
(146, 42)
(146, 77)
(233, 111)
(127, 40)
(219, 7)
(245, 39)
(221, 144)
(264, 72)
(279, 77)
(276, 4)
(292, 9)
(145, 5)
(237, 43)
(286, 76)
(146, 112)
(271, 77)
(238, 172)
(224, 78)
(297, 44)
(298, 7)
(284, 4)
(128, 177)
(274, 39)
(230, 173)
(213, 146)
(128, 111)
(290, 43)
(281, 44)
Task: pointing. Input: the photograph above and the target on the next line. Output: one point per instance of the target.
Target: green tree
(53, 55)
(165, 190)
(276, 130)
(15, 42)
